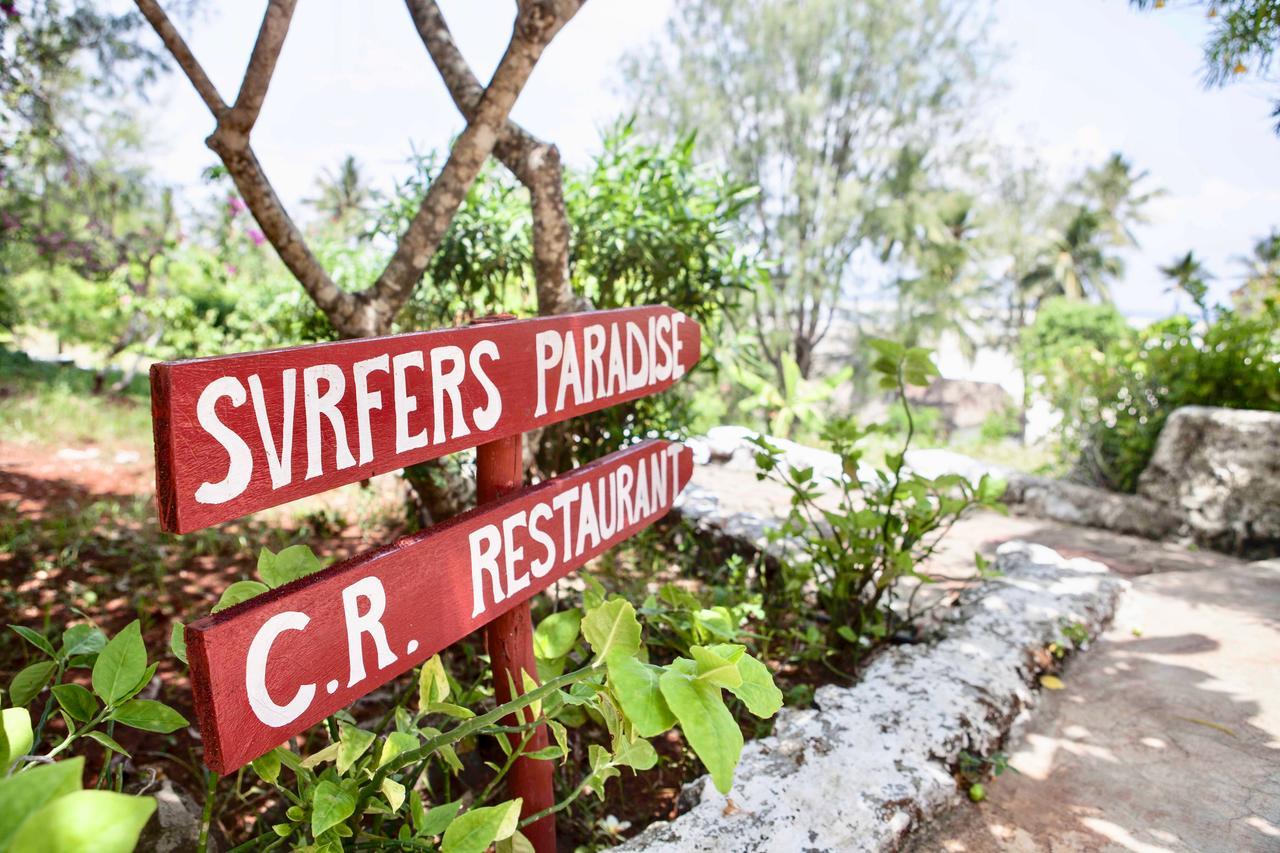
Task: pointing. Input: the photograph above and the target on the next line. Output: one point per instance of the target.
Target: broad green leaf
(638, 754)
(602, 769)
(147, 674)
(28, 683)
(238, 592)
(97, 821)
(706, 722)
(296, 561)
(82, 639)
(394, 792)
(437, 819)
(329, 753)
(23, 794)
(15, 737)
(268, 766)
(108, 741)
(757, 690)
(35, 638)
(612, 627)
(716, 669)
(149, 716)
(555, 635)
(353, 742)
(331, 804)
(517, 843)
(76, 701)
(475, 830)
(396, 743)
(635, 683)
(433, 683)
(450, 710)
(178, 641)
(120, 665)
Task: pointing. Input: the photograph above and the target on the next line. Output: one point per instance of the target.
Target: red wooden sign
(238, 433)
(272, 666)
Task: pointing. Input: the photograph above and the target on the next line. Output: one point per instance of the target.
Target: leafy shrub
(848, 541)
(43, 804)
(1115, 387)
(365, 784)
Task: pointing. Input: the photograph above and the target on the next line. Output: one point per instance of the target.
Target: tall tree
(1242, 41)
(1261, 277)
(342, 195)
(1077, 262)
(372, 310)
(811, 102)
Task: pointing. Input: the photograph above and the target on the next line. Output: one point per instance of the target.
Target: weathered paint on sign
(239, 433)
(269, 668)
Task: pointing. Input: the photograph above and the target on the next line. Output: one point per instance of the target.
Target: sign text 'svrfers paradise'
(272, 666)
(238, 433)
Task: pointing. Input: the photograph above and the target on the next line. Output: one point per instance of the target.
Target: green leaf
(706, 722)
(757, 690)
(98, 821)
(82, 639)
(517, 843)
(25, 793)
(635, 683)
(437, 819)
(107, 741)
(329, 753)
(238, 592)
(147, 674)
(394, 792)
(475, 830)
(638, 754)
(15, 738)
(331, 804)
(716, 669)
(28, 683)
(396, 743)
(296, 561)
(120, 665)
(34, 638)
(612, 627)
(353, 742)
(433, 683)
(268, 766)
(76, 701)
(555, 635)
(149, 716)
(178, 641)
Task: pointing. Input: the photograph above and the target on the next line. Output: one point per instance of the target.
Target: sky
(1082, 78)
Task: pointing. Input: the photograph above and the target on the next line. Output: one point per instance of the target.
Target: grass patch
(50, 403)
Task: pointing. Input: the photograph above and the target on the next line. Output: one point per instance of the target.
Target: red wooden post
(509, 638)
(500, 471)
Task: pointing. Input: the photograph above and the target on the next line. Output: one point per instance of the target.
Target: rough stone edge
(872, 762)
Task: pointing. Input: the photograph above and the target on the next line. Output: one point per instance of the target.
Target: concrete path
(1167, 735)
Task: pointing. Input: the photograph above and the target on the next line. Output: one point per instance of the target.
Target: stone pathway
(1167, 735)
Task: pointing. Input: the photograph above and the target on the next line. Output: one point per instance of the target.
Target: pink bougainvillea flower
(256, 236)
(235, 204)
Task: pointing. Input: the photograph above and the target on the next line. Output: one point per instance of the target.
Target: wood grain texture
(326, 640)
(349, 410)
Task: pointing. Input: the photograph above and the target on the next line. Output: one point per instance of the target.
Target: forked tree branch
(535, 163)
(372, 310)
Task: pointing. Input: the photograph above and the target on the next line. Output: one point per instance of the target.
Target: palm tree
(1262, 275)
(1075, 262)
(1189, 275)
(1113, 188)
(341, 196)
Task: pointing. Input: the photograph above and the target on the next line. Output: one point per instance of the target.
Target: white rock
(872, 761)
